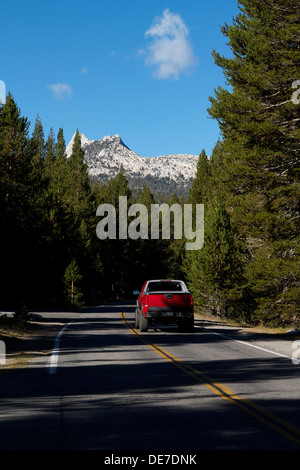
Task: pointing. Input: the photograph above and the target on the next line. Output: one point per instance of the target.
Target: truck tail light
(146, 300)
(192, 302)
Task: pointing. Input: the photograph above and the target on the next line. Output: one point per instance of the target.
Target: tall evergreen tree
(20, 212)
(38, 142)
(215, 273)
(115, 253)
(80, 209)
(174, 251)
(47, 216)
(58, 183)
(78, 193)
(260, 128)
(147, 249)
(39, 177)
(50, 154)
(60, 150)
(72, 280)
(199, 190)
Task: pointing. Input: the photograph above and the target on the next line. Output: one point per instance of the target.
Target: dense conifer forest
(249, 267)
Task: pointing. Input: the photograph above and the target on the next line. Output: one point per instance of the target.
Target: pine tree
(15, 155)
(260, 128)
(117, 186)
(38, 142)
(20, 209)
(217, 170)
(47, 217)
(58, 183)
(72, 280)
(215, 273)
(50, 154)
(199, 191)
(79, 191)
(39, 176)
(147, 250)
(60, 150)
(174, 251)
(80, 208)
(115, 254)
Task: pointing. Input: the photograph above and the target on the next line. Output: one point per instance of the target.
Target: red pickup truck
(164, 301)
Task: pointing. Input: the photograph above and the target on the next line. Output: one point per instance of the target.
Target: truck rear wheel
(136, 319)
(143, 322)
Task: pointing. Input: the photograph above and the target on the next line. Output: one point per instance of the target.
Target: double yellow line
(279, 425)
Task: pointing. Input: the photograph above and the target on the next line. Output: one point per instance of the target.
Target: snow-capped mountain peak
(84, 141)
(104, 158)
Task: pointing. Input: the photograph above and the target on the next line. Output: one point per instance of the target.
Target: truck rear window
(165, 287)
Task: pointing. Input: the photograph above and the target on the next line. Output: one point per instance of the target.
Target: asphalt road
(103, 385)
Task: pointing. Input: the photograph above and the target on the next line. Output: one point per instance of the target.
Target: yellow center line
(283, 427)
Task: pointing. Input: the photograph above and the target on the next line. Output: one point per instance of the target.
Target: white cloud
(61, 90)
(169, 51)
(84, 70)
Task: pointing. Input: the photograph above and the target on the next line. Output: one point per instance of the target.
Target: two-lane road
(104, 385)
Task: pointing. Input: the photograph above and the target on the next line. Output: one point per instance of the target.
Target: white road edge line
(55, 352)
(244, 342)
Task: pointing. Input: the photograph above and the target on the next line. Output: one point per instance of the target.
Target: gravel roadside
(22, 346)
(284, 343)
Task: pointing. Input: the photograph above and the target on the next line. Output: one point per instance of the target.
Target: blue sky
(142, 69)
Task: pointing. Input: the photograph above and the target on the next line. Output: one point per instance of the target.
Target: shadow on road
(111, 391)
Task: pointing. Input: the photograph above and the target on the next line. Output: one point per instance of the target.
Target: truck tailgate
(170, 302)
